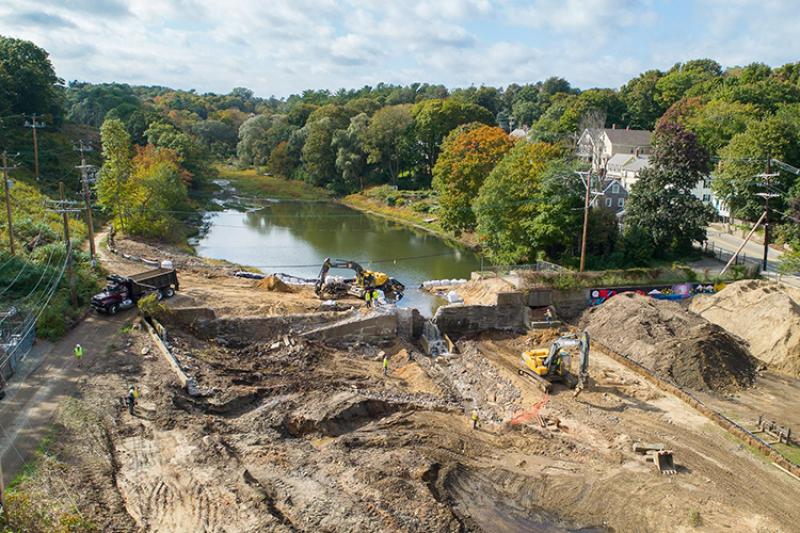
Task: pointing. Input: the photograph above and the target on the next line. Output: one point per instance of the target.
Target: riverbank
(249, 182)
(374, 201)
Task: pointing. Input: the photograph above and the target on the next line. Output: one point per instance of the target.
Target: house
(614, 195)
(599, 146)
(519, 134)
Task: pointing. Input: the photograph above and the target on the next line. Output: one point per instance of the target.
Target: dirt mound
(274, 284)
(674, 343)
(483, 291)
(764, 313)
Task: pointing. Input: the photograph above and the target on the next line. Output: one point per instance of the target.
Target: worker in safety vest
(385, 365)
(368, 297)
(474, 419)
(375, 301)
(130, 400)
(78, 351)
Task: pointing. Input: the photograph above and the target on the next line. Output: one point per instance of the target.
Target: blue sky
(278, 47)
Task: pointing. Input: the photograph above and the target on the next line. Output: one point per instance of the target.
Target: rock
(145, 350)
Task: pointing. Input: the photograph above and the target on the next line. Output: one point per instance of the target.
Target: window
(615, 188)
(707, 198)
(608, 202)
(621, 202)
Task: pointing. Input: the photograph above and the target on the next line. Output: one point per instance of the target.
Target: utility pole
(6, 168)
(767, 177)
(64, 207)
(586, 179)
(34, 126)
(87, 197)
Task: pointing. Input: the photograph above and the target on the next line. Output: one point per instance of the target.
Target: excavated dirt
(293, 435)
(483, 291)
(764, 313)
(273, 284)
(674, 343)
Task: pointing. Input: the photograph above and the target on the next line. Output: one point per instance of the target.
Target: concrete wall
(374, 327)
(540, 297)
(510, 313)
(570, 304)
(240, 331)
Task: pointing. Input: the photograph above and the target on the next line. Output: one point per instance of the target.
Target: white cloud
(284, 46)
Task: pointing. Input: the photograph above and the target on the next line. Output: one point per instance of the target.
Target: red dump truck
(123, 292)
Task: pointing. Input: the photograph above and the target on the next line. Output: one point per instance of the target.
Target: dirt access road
(32, 400)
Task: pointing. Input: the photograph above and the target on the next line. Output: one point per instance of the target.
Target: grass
(415, 208)
(790, 452)
(249, 182)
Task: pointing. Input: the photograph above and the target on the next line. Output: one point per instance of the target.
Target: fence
(538, 266)
(725, 255)
(16, 340)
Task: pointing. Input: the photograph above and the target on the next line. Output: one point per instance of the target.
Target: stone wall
(374, 327)
(510, 313)
(570, 304)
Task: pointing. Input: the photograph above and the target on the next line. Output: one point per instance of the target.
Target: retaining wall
(510, 313)
(375, 327)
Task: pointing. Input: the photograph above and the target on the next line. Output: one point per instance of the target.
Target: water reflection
(294, 238)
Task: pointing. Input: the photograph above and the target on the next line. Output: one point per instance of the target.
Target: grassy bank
(414, 208)
(250, 182)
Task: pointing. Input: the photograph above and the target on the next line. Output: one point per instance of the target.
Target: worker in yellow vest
(78, 351)
(474, 419)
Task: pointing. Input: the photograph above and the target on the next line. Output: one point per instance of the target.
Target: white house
(599, 146)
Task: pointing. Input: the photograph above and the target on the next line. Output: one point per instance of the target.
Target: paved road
(48, 375)
(754, 253)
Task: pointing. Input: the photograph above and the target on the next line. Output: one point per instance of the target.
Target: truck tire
(113, 309)
(169, 292)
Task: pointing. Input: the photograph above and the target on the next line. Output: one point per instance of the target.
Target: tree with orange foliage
(469, 153)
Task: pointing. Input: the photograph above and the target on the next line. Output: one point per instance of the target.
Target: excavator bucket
(664, 462)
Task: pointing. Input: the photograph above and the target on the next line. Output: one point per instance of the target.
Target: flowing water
(294, 238)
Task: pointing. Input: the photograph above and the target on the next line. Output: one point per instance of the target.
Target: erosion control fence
(17, 334)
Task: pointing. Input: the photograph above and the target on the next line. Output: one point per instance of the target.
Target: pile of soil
(764, 313)
(483, 291)
(674, 343)
(273, 284)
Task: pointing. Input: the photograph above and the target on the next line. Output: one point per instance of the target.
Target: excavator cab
(548, 365)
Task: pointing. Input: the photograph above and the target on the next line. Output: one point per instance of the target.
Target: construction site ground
(289, 434)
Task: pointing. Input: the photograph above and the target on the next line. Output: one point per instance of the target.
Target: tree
(389, 141)
(155, 190)
(469, 154)
(258, 137)
(433, 119)
(682, 77)
(351, 160)
(280, 161)
(28, 82)
(745, 156)
(661, 203)
(112, 180)
(192, 156)
(525, 207)
(219, 137)
(319, 156)
(639, 96)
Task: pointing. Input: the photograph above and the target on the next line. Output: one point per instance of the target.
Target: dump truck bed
(158, 278)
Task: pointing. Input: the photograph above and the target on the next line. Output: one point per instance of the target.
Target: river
(294, 237)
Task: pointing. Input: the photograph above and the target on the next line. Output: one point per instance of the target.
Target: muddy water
(295, 237)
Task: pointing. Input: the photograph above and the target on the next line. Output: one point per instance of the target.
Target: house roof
(637, 164)
(608, 183)
(620, 159)
(629, 137)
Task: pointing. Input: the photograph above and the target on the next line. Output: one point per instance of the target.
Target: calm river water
(294, 238)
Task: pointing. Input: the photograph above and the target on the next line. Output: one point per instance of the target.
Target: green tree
(639, 96)
(280, 161)
(112, 180)
(389, 140)
(525, 206)
(661, 203)
(433, 119)
(351, 159)
(745, 156)
(469, 153)
(28, 82)
(192, 156)
(319, 155)
(259, 135)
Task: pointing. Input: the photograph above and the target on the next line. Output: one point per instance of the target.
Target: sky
(280, 47)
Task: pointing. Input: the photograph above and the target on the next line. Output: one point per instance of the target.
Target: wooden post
(8, 204)
(73, 295)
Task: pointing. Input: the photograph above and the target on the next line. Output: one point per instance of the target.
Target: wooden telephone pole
(87, 197)
(64, 207)
(33, 125)
(5, 169)
(767, 184)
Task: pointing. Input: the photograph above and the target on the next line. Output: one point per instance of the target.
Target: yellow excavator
(550, 365)
(365, 279)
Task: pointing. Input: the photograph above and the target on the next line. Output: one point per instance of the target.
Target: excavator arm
(336, 263)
